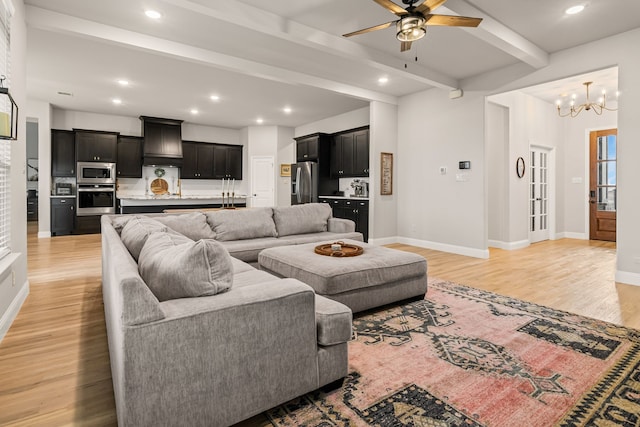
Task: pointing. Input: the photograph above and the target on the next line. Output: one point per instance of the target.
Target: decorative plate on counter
(159, 186)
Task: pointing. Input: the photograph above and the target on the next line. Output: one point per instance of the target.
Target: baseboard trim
(508, 246)
(444, 247)
(571, 235)
(44, 234)
(14, 308)
(384, 241)
(628, 278)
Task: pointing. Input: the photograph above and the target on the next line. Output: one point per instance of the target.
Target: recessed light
(214, 98)
(259, 121)
(287, 110)
(116, 101)
(123, 82)
(153, 14)
(194, 111)
(574, 9)
(383, 80)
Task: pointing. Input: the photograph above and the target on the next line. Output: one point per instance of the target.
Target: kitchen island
(128, 204)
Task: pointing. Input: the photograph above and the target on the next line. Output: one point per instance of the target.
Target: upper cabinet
(96, 146)
(227, 161)
(350, 154)
(197, 160)
(129, 164)
(162, 141)
(308, 147)
(63, 153)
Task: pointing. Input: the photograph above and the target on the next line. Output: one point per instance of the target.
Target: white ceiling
(260, 56)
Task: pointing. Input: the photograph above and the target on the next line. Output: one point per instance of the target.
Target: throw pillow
(301, 219)
(193, 225)
(136, 231)
(120, 221)
(174, 266)
(242, 224)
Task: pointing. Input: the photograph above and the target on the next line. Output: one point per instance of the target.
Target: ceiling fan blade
(368, 30)
(453, 21)
(429, 5)
(392, 7)
(405, 46)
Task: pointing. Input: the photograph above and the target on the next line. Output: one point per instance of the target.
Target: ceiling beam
(270, 24)
(498, 35)
(53, 21)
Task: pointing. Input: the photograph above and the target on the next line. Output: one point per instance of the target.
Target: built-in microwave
(96, 173)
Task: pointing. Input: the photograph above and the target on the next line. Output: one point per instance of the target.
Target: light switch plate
(443, 170)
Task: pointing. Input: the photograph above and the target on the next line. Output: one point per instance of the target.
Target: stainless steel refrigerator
(304, 183)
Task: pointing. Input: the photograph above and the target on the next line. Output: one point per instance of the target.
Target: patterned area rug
(466, 357)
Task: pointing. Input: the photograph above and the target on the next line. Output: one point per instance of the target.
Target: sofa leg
(328, 388)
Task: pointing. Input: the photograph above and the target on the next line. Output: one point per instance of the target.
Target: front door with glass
(603, 185)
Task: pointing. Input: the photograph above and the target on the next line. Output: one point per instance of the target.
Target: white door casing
(262, 181)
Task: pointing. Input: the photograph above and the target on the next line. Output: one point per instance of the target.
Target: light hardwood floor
(54, 364)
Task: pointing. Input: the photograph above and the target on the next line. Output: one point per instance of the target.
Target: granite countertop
(174, 200)
(176, 197)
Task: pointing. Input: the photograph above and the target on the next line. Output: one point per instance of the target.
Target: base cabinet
(63, 215)
(355, 210)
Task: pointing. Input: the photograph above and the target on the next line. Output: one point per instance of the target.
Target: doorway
(540, 173)
(603, 146)
(262, 181)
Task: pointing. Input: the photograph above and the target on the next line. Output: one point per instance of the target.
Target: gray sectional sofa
(201, 338)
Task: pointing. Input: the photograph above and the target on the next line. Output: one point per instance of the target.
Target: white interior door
(539, 203)
(262, 182)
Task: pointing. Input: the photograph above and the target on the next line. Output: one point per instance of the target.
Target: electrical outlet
(443, 170)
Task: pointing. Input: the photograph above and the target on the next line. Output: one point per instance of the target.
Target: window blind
(5, 145)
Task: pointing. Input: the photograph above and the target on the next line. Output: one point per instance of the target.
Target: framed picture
(386, 174)
(32, 169)
(285, 170)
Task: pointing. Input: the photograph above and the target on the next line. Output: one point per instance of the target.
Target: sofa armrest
(231, 355)
(341, 225)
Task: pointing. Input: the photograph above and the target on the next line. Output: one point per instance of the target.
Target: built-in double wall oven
(96, 188)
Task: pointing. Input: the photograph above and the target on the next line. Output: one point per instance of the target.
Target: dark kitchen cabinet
(62, 215)
(129, 158)
(96, 146)
(353, 209)
(308, 146)
(350, 154)
(63, 153)
(197, 160)
(227, 161)
(162, 139)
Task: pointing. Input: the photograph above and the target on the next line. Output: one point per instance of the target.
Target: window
(6, 9)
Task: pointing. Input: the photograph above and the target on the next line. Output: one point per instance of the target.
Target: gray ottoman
(379, 276)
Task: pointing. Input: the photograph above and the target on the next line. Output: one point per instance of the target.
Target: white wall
(14, 285)
(286, 155)
(351, 120)
(497, 133)
(435, 210)
(383, 137)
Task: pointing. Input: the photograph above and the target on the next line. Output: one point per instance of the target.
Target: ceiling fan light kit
(596, 107)
(410, 28)
(414, 20)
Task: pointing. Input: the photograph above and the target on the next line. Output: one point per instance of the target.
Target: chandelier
(596, 107)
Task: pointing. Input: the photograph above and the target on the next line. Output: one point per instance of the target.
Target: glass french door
(538, 195)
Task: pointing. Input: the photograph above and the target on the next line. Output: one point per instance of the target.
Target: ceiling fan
(414, 20)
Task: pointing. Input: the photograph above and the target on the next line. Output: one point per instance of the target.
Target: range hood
(162, 141)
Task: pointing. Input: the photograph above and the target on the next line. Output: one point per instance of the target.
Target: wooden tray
(347, 250)
(159, 186)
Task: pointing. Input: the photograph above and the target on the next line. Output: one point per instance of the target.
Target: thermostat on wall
(464, 165)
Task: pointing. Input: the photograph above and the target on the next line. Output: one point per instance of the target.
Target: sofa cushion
(299, 219)
(136, 231)
(174, 266)
(248, 250)
(298, 239)
(120, 221)
(242, 224)
(193, 225)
